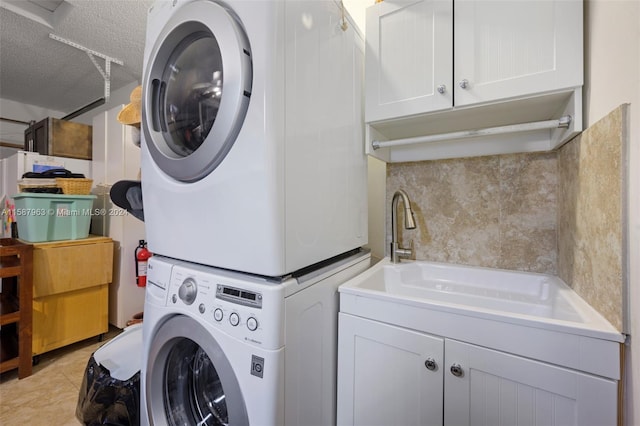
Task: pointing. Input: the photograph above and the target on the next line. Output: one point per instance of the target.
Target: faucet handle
(402, 252)
(409, 250)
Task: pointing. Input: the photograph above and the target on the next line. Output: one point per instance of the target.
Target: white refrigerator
(12, 168)
(115, 157)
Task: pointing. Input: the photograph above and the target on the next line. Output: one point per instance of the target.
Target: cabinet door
(505, 49)
(494, 388)
(408, 57)
(36, 137)
(382, 375)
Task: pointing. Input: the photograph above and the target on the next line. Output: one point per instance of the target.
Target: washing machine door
(196, 89)
(189, 380)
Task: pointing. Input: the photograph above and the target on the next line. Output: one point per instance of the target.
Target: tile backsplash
(556, 212)
(591, 215)
(497, 211)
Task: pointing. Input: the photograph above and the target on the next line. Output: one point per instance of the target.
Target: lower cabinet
(391, 375)
(382, 376)
(70, 291)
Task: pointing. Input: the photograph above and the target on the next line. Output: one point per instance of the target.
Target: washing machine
(225, 348)
(253, 155)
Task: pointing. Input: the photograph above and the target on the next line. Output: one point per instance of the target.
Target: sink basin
(532, 299)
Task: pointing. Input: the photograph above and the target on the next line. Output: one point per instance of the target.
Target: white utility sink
(472, 345)
(536, 300)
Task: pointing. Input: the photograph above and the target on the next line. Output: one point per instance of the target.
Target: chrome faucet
(398, 252)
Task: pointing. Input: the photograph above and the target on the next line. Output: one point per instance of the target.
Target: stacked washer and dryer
(254, 187)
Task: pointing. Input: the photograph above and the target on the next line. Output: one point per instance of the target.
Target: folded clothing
(52, 174)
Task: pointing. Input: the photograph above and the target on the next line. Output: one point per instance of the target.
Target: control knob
(188, 291)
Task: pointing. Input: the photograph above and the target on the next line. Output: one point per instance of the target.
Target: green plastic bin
(53, 217)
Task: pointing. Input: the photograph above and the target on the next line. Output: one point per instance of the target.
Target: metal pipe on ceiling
(84, 109)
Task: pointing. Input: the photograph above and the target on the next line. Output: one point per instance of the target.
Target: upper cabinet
(472, 77)
(409, 55)
(506, 49)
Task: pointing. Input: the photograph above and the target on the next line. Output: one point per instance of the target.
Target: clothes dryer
(215, 344)
(253, 156)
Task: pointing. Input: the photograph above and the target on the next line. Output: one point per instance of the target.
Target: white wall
(377, 170)
(357, 10)
(377, 182)
(612, 77)
(6, 152)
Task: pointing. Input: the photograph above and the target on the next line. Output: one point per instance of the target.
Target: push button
(252, 324)
(218, 314)
(234, 319)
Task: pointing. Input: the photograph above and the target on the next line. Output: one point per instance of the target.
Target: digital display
(247, 295)
(231, 291)
(242, 297)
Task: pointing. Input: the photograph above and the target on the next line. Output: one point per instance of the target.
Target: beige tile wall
(497, 211)
(557, 213)
(590, 215)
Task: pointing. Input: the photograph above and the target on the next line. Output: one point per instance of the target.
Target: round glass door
(196, 90)
(189, 379)
(193, 78)
(193, 392)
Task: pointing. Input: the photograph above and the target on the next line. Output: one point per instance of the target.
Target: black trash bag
(104, 400)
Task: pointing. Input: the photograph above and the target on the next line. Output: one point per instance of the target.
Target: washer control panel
(247, 310)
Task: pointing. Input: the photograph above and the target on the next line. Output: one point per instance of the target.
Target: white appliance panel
(292, 189)
(325, 191)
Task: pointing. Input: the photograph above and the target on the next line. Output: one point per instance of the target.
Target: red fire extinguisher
(142, 257)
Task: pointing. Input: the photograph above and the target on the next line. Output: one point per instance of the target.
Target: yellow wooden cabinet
(70, 291)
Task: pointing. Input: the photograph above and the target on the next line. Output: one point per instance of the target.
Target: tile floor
(49, 396)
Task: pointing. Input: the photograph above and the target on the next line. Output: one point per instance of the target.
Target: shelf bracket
(105, 73)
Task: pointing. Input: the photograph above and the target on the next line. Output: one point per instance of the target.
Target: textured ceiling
(37, 70)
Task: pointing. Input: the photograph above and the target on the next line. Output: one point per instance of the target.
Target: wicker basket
(75, 186)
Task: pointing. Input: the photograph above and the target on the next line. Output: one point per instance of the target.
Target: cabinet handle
(456, 370)
(441, 89)
(431, 364)
(464, 83)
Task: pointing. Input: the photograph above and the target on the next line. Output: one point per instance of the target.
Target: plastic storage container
(52, 217)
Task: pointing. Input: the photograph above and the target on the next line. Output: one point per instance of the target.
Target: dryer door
(190, 380)
(196, 89)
